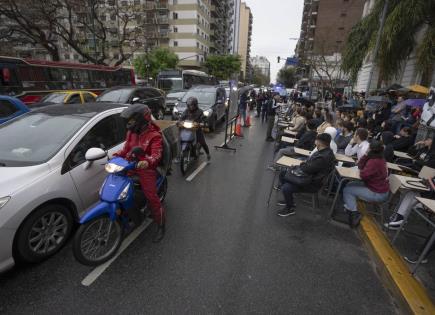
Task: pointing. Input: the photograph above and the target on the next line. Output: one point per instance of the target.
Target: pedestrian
(243, 105)
(373, 187)
(266, 98)
(271, 112)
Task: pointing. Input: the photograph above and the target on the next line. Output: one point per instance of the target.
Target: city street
(225, 252)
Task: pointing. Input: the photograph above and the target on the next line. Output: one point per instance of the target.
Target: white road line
(196, 172)
(90, 278)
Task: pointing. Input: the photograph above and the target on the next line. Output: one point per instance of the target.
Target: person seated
(317, 167)
(318, 119)
(328, 122)
(306, 142)
(298, 121)
(373, 187)
(358, 145)
(387, 140)
(343, 139)
(386, 125)
(403, 141)
(423, 153)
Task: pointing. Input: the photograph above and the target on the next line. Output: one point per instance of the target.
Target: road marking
(196, 172)
(90, 278)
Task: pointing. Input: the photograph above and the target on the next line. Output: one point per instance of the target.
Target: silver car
(45, 181)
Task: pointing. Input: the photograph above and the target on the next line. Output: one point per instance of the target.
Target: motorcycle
(190, 147)
(122, 207)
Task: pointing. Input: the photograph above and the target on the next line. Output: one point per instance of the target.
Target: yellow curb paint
(412, 293)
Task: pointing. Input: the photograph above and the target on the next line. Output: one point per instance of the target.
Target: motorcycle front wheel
(97, 241)
(185, 160)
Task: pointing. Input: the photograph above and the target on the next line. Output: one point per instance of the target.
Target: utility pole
(376, 50)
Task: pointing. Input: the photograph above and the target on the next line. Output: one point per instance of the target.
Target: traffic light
(279, 59)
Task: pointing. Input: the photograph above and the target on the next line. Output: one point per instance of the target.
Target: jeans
(355, 190)
(270, 123)
(284, 151)
(243, 113)
(264, 115)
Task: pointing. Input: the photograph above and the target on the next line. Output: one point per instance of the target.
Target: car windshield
(204, 97)
(34, 138)
(172, 84)
(56, 98)
(115, 96)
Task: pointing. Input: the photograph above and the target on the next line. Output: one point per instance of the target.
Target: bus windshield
(171, 84)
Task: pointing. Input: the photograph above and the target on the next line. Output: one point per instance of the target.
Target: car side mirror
(94, 154)
(135, 99)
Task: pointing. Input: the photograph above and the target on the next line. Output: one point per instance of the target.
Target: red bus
(31, 79)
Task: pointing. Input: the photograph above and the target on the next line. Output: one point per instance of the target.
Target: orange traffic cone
(248, 119)
(238, 132)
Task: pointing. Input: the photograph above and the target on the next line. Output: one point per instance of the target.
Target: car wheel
(212, 124)
(43, 233)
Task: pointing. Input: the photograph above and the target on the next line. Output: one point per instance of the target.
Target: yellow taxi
(69, 97)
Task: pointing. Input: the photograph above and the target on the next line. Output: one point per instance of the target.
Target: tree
(223, 67)
(404, 20)
(287, 76)
(149, 65)
(258, 77)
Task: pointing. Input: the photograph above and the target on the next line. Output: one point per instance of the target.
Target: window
(66, 57)
(175, 29)
(175, 16)
(89, 98)
(343, 14)
(7, 109)
(74, 99)
(197, 45)
(105, 135)
(76, 57)
(175, 44)
(197, 31)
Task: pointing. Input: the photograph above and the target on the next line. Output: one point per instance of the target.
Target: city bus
(30, 79)
(179, 80)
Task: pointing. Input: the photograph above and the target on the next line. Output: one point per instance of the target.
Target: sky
(275, 22)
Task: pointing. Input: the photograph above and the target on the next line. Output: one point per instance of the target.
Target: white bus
(179, 80)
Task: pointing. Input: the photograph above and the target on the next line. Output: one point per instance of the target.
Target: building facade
(245, 36)
(262, 63)
(408, 75)
(235, 31)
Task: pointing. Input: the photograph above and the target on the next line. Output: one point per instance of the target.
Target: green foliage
(223, 67)
(287, 76)
(404, 20)
(149, 65)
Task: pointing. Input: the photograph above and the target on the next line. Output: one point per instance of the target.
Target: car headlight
(124, 193)
(4, 201)
(207, 113)
(113, 168)
(175, 109)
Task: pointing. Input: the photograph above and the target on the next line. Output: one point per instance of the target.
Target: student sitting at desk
(346, 135)
(374, 186)
(298, 121)
(408, 202)
(423, 153)
(358, 145)
(317, 167)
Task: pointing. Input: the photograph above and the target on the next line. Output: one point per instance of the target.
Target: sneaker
(391, 227)
(354, 218)
(276, 187)
(285, 212)
(412, 260)
(281, 203)
(396, 223)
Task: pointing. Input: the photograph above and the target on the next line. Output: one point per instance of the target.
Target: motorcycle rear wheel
(185, 160)
(97, 241)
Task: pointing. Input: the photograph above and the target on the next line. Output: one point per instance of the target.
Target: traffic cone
(248, 119)
(238, 132)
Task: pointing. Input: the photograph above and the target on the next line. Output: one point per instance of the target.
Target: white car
(45, 181)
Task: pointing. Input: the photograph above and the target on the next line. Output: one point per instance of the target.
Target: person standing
(243, 105)
(272, 105)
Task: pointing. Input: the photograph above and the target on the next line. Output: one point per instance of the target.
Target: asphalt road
(225, 253)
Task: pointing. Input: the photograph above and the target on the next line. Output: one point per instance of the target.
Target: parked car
(46, 183)
(211, 99)
(154, 98)
(172, 99)
(67, 97)
(11, 107)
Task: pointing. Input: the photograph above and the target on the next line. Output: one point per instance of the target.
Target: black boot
(159, 234)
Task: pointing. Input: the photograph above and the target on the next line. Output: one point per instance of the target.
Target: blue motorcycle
(122, 207)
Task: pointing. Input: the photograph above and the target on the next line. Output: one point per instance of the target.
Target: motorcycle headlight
(207, 113)
(113, 168)
(124, 192)
(4, 201)
(188, 124)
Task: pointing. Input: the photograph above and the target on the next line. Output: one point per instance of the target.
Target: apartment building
(245, 36)
(262, 63)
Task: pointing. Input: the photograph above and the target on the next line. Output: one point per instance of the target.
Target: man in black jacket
(404, 140)
(318, 166)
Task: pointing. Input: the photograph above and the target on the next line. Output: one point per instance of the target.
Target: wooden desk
(428, 203)
(402, 155)
(288, 161)
(291, 133)
(288, 140)
(405, 179)
(348, 172)
(302, 152)
(394, 167)
(344, 158)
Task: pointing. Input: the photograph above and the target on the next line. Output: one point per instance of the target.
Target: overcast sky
(275, 22)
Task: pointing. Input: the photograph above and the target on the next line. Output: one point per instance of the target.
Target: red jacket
(374, 173)
(150, 141)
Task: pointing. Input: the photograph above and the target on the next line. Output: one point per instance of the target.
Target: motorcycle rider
(144, 133)
(195, 114)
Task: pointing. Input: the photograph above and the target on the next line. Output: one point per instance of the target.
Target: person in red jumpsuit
(144, 133)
